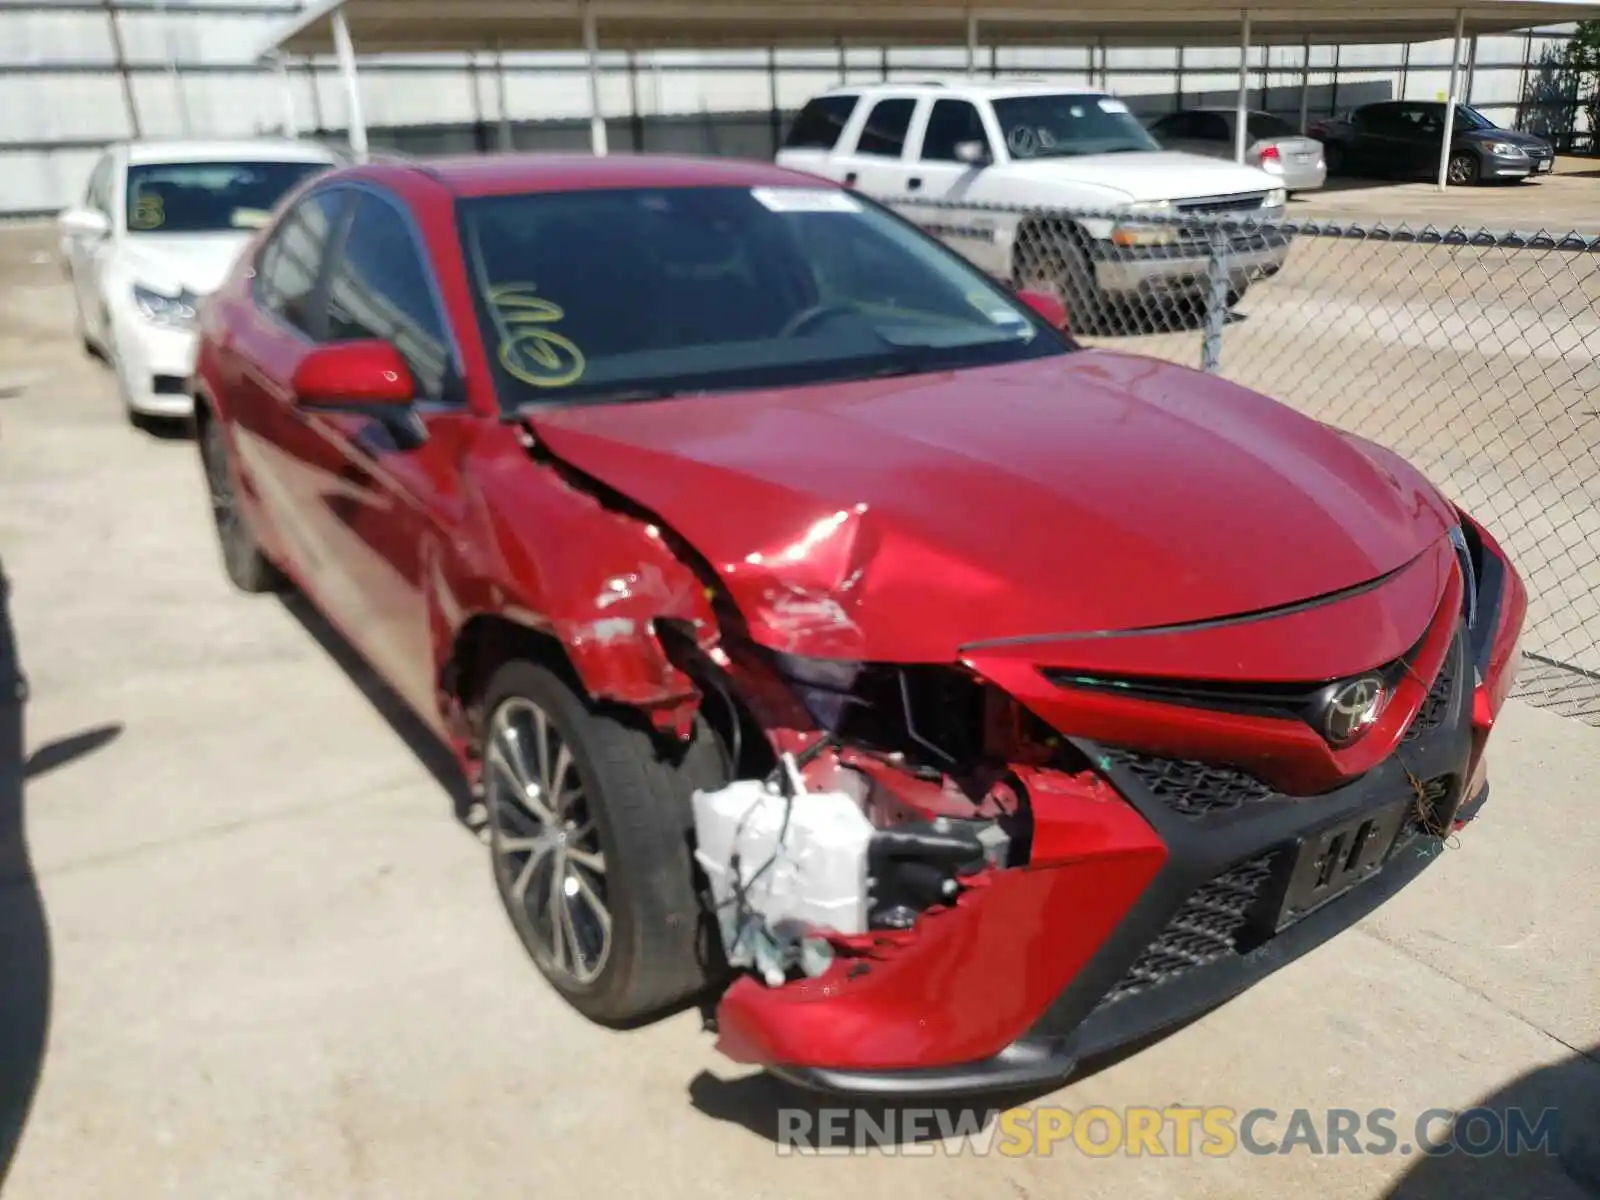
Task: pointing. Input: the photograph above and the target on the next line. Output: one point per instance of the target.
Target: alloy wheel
(547, 855)
(1462, 169)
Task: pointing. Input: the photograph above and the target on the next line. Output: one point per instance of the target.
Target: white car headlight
(1507, 150)
(1276, 198)
(174, 310)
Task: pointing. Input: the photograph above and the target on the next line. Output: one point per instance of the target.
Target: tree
(1582, 60)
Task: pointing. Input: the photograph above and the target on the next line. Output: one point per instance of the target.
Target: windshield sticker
(149, 211)
(998, 313)
(529, 351)
(1108, 105)
(250, 218)
(805, 200)
(1022, 141)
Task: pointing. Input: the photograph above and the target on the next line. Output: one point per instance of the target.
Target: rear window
(1263, 125)
(819, 123)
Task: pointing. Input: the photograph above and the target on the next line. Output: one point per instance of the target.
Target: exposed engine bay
(895, 802)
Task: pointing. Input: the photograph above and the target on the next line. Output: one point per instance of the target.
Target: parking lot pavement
(1562, 202)
(273, 963)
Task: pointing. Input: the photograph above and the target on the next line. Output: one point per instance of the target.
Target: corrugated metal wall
(75, 74)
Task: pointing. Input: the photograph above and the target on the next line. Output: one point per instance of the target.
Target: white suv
(1031, 145)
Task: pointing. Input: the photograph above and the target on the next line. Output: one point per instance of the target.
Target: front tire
(1463, 169)
(1052, 258)
(590, 833)
(248, 569)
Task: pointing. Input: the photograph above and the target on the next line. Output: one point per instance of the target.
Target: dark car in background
(1402, 139)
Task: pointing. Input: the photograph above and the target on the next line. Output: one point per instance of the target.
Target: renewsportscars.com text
(1168, 1131)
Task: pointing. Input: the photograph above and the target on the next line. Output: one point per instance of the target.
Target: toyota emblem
(1351, 709)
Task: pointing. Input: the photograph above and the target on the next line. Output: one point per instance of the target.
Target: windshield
(1053, 126)
(637, 293)
(208, 197)
(1471, 118)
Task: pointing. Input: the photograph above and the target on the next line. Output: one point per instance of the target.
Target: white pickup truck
(1028, 145)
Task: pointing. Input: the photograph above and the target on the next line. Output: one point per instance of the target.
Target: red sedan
(829, 633)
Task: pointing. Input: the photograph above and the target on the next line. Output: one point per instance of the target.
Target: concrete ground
(247, 950)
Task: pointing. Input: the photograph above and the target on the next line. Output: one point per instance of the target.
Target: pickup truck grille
(1206, 205)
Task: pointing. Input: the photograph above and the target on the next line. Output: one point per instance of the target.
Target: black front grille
(1205, 930)
(1223, 204)
(1431, 715)
(1192, 789)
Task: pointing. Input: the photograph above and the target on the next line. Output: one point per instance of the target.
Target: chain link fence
(1476, 355)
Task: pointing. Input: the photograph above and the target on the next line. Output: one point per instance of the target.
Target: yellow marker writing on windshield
(149, 211)
(529, 350)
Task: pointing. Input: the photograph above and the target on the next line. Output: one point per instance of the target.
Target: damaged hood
(901, 519)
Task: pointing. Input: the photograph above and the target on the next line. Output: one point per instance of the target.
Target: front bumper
(1153, 896)
(1127, 272)
(154, 364)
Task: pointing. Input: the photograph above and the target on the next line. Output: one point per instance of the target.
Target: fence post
(1216, 298)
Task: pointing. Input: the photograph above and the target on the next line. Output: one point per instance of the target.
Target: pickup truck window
(1067, 124)
(884, 134)
(820, 123)
(949, 124)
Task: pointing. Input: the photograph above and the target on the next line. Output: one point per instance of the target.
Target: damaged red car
(825, 630)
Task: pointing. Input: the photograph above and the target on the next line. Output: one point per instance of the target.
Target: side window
(884, 134)
(379, 288)
(288, 266)
(1212, 127)
(820, 123)
(949, 124)
(1380, 118)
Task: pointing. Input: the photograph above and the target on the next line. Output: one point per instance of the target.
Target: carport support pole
(591, 44)
(1242, 116)
(502, 102)
(1450, 102)
(346, 54)
(1305, 86)
(291, 125)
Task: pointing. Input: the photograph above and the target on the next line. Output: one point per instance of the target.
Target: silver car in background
(1271, 143)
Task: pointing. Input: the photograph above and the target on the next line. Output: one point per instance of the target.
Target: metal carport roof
(422, 26)
(430, 26)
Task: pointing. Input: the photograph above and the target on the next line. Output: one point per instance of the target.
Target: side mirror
(354, 375)
(83, 222)
(1047, 305)
(974, 154)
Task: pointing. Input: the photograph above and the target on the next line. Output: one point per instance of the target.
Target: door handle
(913, 184)
(850, 179)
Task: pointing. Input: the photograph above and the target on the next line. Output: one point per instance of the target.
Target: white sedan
(158, 228)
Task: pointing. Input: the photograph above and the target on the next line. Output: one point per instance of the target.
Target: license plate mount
(1329, 863)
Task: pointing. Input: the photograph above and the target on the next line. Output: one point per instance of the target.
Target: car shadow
(433, 754)
(1557, 1111)
(783, 1113)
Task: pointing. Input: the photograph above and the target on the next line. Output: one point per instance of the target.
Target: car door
(943, 176)
(1422, 138)
(1383, 138)
(877, 163)
(380, 494)
(273, 331)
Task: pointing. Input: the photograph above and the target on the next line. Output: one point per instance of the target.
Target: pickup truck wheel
(1052, 259)
(590, 831)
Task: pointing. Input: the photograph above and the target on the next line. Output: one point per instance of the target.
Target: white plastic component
(818, 875)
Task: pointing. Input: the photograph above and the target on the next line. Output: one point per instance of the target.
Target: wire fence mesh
(1476, 355)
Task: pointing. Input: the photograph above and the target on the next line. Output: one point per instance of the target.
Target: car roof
(508, 174)
(235, 150)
